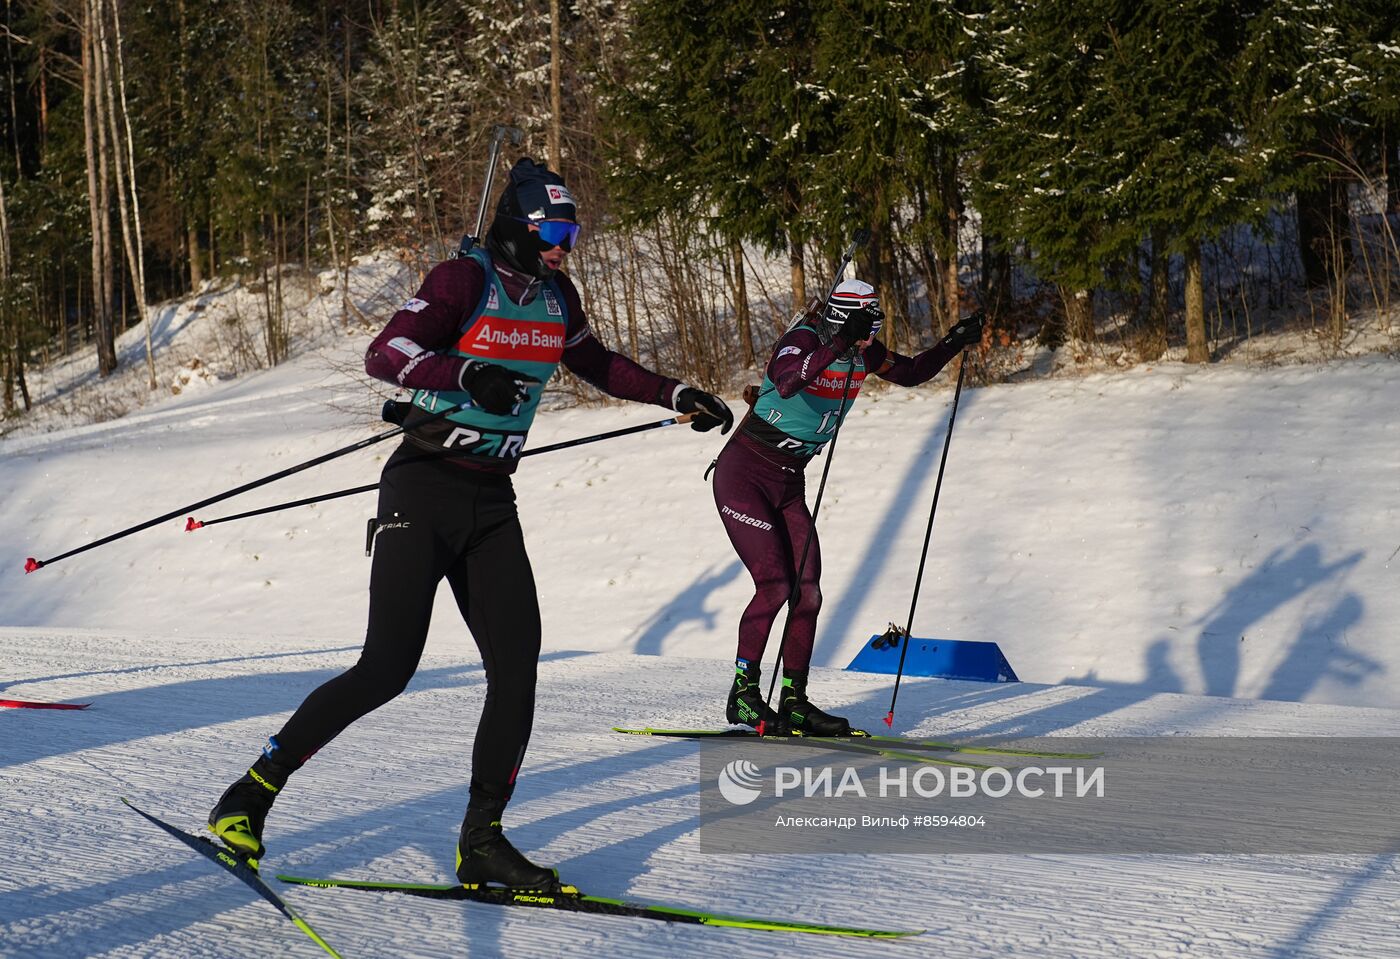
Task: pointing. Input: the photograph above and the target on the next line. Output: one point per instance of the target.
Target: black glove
(862, 324)
(495, 389)
(711, 409)
(967, 331)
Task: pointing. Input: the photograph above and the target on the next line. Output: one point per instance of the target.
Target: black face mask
(533, 192)
(512, 242)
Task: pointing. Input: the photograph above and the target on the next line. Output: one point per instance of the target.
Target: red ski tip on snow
(31, 564)
(889, 719)
(192, 524)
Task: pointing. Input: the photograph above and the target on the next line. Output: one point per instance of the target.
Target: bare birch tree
(124, 163)
(99, 200)
(134, 240)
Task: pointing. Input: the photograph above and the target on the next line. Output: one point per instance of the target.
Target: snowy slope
(1224, 531)
(1172, 551)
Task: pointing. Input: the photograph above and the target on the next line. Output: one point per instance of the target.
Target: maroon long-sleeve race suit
(760, 492)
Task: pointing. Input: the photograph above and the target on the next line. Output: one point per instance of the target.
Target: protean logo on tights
(746, 519)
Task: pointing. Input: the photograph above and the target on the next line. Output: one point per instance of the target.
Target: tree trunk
(193, 253)
(951, 198)
(4, 237)
(17, 356)
(195, 256)
(94, 148)
(868, 265)
(899, 289)
(1324, 232)
(1197, 350)
(952, 288)
(1153, 342)
(329, 202)
(19, 377)
(126, 173)
(995, 281)
(348, 73)
(556, 98)
(928, 263)
(884, 286)
(7, 392)
(629, 293)
(43, 104)
(62, 305)
(9, 317)
(14, 107)
(741, 304)
(279, 247)
(799, 274)
(670, 269)
(1079, 313)
(104, 190)
(1391, 168)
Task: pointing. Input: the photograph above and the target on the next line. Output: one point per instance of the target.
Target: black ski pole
(928, 534)
(31, 564)
(861, 237)
(611, 434)
(195, 524)
(498, 133)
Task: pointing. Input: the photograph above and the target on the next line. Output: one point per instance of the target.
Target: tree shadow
(349, 845)
(1278, 579)
(136, 714)
(181, 665)
(358, 845)
(1343, 896)
(687, 606)
(1162, 677)
(838, 623)
(1316, 655)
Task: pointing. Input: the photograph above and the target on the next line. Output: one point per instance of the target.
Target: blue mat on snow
(942, 658)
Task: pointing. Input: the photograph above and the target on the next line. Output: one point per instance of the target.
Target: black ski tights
(439, 520)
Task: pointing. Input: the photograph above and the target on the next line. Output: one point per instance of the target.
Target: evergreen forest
(1169, 174)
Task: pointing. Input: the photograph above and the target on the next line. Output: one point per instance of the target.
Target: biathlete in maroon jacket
(811, 383)
(484, 333)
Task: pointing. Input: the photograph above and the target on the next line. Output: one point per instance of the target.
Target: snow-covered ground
(1166, 550)
(1227, 531)
(173, 718)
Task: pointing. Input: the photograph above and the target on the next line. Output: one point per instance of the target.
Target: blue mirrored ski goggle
(552, 233)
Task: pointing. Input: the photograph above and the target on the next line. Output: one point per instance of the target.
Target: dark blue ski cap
(535, 192)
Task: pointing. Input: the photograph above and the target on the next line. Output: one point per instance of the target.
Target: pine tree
(1048, 160)
(1187, 172)
(718, 114)
(1118, 126)
(901, 81)
(1322, 82)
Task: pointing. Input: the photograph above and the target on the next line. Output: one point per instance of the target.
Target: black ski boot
(797, 710)
(485, 855)
(237, 818)
(746, 705)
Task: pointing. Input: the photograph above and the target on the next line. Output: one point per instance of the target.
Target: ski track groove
(616, 814)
